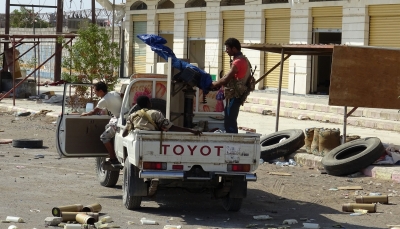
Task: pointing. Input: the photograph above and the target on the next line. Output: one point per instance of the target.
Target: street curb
(379, 124)
(376, 171)
(20, 109)
(381, 114)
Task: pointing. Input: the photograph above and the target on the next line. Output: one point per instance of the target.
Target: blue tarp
(157, 45)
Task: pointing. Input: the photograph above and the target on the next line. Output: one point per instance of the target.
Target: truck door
(76, 135)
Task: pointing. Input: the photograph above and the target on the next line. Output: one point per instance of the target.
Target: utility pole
(34, 39)
(58, 51)
(93, 12)
(6, 31)
(113, 22)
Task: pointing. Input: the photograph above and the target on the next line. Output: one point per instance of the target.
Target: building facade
(196, 30)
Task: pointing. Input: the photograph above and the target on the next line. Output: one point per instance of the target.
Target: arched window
(195, 3)
(165, 4)
(232, 2)
(138, 5)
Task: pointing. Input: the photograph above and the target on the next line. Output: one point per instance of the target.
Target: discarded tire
(352, 156)
(27, 143)
(271, 148)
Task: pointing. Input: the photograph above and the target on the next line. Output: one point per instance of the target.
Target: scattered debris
(303, 117)
(106, 219)
(34, 210)
(52, 221)
(311, 225)
(172, 227)
(251, 225)
(12, 227)
(280, 174)
(23, 114)
(37, 156)
(362, 211)
(15, 219)
(5, 141)
(145, 221)
(289, 221)
(350, 188)
(262, 217)
(333, 189)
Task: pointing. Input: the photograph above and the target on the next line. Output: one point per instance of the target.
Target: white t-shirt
(112, 101)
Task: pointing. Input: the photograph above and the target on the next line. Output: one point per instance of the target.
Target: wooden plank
(365, 77)
(350, 188)
(279, 174)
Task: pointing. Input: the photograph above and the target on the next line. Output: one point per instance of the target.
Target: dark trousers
(231, 113)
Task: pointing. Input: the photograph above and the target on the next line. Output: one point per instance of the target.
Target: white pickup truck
(221, 162)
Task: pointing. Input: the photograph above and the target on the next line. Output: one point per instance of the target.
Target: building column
(300, 33)
(152, 28)
(128, 55)
(355, 25)
(213, 43)
(254, 20)
(180, 31)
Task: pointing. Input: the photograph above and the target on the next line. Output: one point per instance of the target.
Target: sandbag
(309, 134)
(315, 142)
(350, 138)
(328, 140)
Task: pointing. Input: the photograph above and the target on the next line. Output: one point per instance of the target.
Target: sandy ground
(31, 187)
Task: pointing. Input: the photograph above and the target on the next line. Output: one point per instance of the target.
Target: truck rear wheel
(105, 177)
(232, 204)
(131, 175)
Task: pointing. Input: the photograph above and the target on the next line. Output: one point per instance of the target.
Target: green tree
(93, 57)
(25, 18)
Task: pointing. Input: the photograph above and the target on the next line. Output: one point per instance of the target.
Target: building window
(165, 4)
(274, 1)
(195, 3)
(232, 2)
(139, 5)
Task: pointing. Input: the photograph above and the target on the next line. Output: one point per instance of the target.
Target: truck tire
(232, 204)
(353, 156)
(156, 104)
(105, 177)
(272, 149)
(131, 175)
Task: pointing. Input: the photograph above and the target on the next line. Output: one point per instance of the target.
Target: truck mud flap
(235, 187)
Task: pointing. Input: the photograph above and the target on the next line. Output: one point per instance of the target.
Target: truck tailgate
(206, 150)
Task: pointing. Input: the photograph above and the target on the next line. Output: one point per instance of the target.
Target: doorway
(197, 52)
(321, 70)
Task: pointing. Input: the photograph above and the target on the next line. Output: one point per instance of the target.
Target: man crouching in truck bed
(148, 119)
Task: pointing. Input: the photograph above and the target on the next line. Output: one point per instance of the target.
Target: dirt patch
(31, 186)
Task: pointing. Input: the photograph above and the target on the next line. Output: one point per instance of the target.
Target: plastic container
(145, 221)
(89, 107)
(15, 219)
(351, 206)
(373, 199)
(72, 226)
